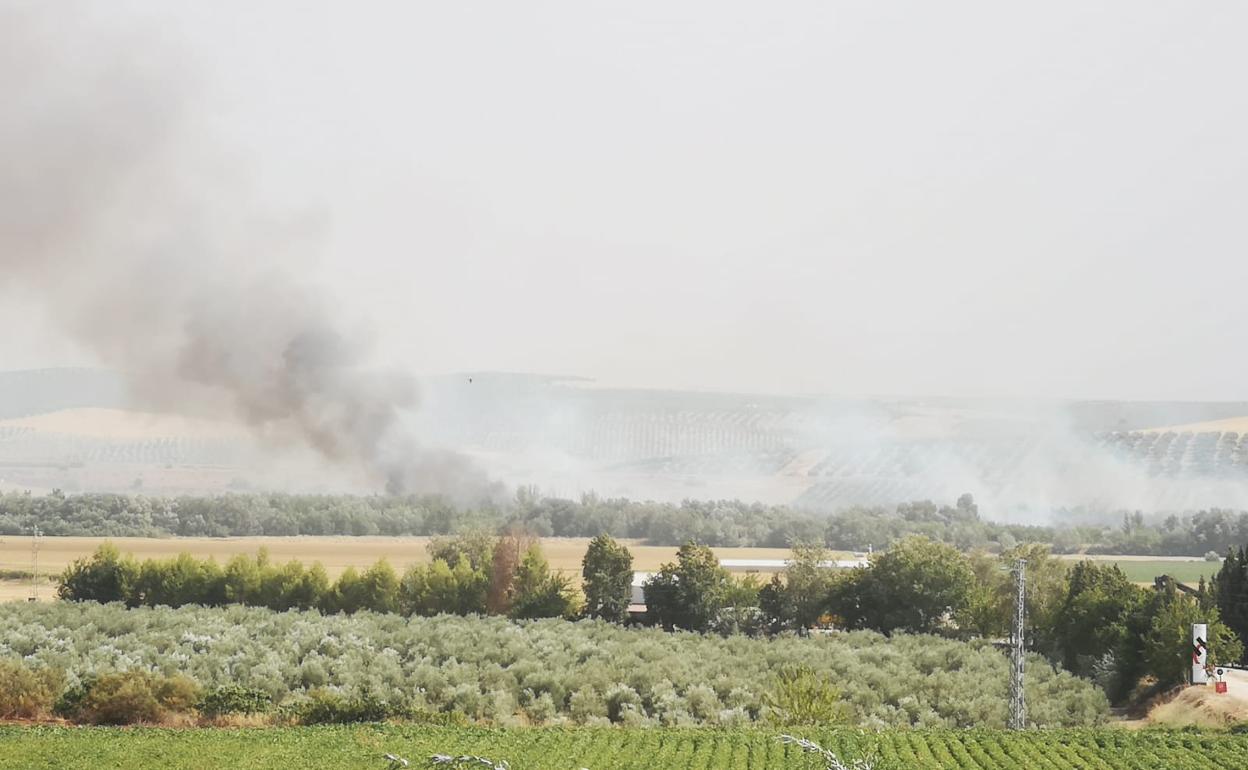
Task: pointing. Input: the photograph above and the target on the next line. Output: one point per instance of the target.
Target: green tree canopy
(539, 593)
(913, 586)
(1093, 616)
(607, 571)
(690, 592)
(799, 596)
(103, 577)
(1168, 644)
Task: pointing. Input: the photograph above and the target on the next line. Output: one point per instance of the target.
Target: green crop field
(364, 747)
(1182, 571)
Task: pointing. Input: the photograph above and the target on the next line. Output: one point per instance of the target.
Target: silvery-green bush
(545, 670)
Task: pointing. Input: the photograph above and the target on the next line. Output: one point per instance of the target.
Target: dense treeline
(472, 574)
(1229, 591)
(549, 671)
(715, 523)
(1089, 618)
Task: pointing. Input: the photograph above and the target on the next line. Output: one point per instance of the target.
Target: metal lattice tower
(34, 559)
(1018, 704)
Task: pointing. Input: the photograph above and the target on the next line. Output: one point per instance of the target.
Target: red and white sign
(1200, 653)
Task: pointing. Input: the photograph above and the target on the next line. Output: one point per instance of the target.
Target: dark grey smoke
(121, 217)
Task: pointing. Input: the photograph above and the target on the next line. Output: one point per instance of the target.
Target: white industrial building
(749, 566)
(637, 603)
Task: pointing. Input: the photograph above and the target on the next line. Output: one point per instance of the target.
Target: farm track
(618, 749)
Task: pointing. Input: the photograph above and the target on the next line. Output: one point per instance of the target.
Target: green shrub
(541, 709)
(801, 696)
(325, 707)
(621, 700)
(177, 693)
(27, 693)
(234, 699)
(70, 701)
(119, 699)
(586, 704)
(128, 697)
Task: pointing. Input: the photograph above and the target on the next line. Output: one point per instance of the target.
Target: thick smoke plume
(121, 217)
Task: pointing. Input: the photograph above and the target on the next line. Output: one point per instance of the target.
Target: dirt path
(1236, 690)
(1204, 706)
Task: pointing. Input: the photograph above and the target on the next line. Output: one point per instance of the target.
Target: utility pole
(1018, 704)
(34, 558)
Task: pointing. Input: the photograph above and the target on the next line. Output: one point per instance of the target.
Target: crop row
(1171, 453)
(23, 445)
(619, 749)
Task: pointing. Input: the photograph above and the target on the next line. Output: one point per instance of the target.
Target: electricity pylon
(1018, 703)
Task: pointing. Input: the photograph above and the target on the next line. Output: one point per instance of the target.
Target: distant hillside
(37, 391)
(63, 428)
(1101, 416)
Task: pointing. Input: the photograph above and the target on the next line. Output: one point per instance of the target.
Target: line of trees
(714, 522)
(1088, 617)
(1229, 591)
(473, 574)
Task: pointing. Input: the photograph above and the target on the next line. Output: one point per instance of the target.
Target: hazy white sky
(986, 198)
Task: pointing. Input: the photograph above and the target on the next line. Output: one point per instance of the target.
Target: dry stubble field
(338, 553)
(335, 553)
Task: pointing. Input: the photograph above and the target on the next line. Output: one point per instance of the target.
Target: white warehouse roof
(738, 565)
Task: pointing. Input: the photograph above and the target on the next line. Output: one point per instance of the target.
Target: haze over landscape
(961, 200)
(926, 236)
(636, 385)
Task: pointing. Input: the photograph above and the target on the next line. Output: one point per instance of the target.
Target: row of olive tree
(548, 671)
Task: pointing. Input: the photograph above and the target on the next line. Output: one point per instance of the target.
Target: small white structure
(1200, 653)
(779, 565)
(637, 602)
(639, 590)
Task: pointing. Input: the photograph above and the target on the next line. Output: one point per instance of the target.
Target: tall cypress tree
(1230, 589)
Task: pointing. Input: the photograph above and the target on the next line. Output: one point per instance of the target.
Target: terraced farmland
(365, 747)
(1173, 454)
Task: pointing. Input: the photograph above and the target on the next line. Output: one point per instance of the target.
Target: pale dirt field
(120, 424)
(1235, 424)
(335, 553)
(338, 553)
(19, 590)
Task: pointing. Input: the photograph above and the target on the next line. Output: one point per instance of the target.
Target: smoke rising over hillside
(1022, 460)
(137, 235)
(691, 219)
